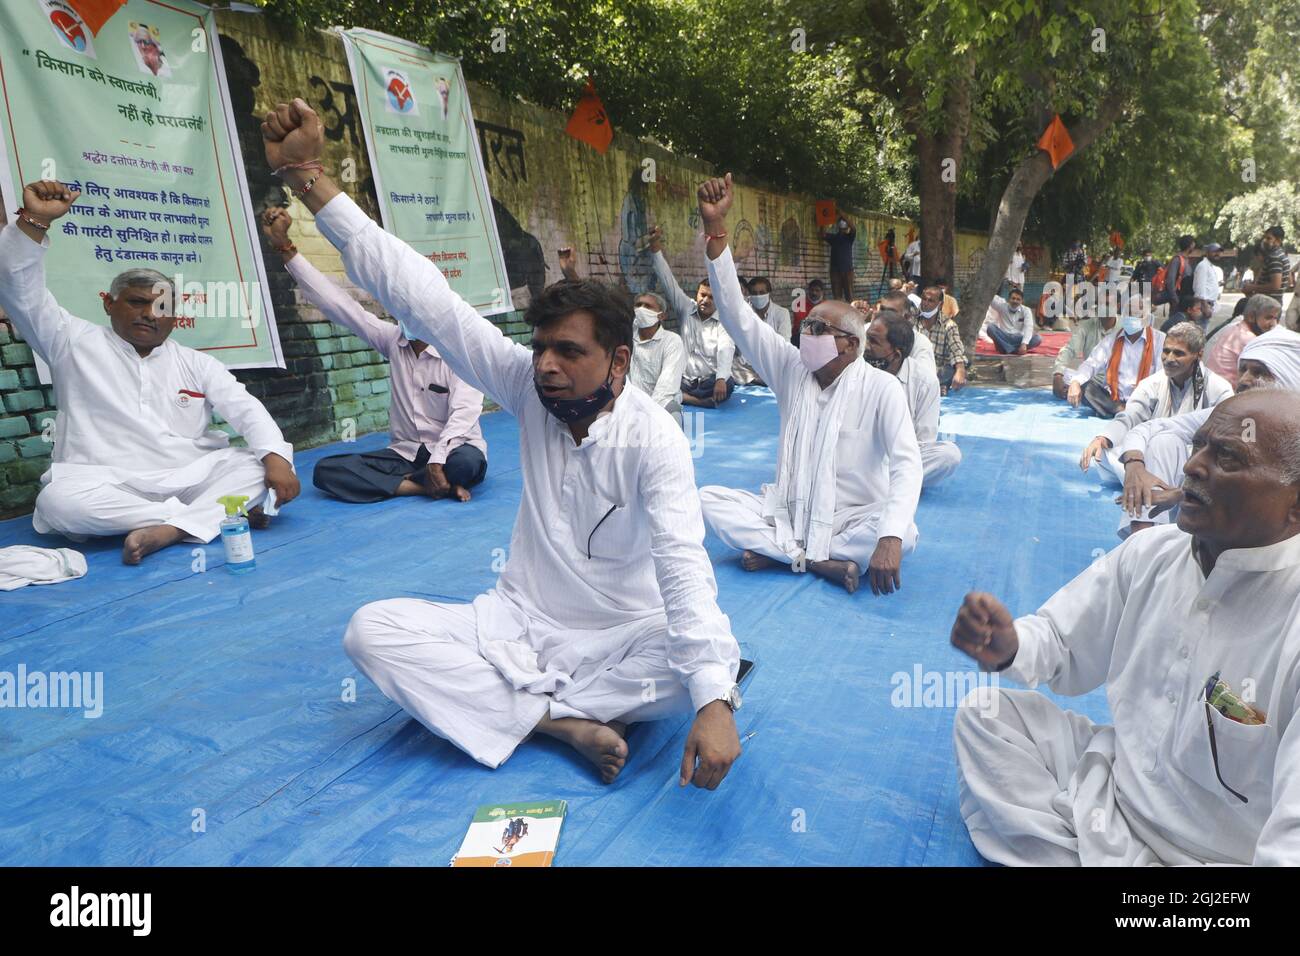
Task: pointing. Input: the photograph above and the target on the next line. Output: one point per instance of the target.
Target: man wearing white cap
(1153, 453)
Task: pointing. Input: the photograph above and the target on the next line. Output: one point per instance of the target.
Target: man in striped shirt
(1272, 276)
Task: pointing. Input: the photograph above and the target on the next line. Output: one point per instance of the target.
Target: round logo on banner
(70, 29)
(400, 96)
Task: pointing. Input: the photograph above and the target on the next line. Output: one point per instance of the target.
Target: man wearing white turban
(1154, 452)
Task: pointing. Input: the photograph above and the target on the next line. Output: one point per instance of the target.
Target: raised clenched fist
(275, 225)
(47, 200)
(292, 133)
(715, 196)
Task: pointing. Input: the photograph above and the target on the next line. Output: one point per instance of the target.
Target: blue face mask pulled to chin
(569, 410)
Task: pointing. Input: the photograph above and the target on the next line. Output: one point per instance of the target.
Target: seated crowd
(1193, 627)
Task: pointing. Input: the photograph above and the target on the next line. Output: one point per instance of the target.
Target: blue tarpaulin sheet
(226, 737)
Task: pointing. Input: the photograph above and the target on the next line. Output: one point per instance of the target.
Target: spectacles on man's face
(818, 327)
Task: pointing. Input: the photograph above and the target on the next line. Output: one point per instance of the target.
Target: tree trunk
(1026, 181)
(938, 205)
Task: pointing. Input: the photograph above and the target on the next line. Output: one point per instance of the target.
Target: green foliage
(1204, 90)
(1245, 218)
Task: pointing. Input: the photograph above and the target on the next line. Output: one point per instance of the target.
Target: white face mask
(930, 314)
(817, 350)
(644, 318)
(760, 301)
(1133, 324)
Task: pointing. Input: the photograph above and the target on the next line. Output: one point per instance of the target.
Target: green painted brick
(29, 378)
(8, 378)
(5, 335)
(18, 497)
(345, 376)
(14, 427)
(16, 354)
(25, 400)
(26, 471)
(8, 451)
(34, 447)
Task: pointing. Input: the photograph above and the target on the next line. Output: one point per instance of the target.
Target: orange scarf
(1117, 352)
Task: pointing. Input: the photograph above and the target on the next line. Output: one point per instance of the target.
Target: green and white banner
(126, 101)
(424, 154)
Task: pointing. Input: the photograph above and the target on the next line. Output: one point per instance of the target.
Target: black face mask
(569, 410)
(880, 363)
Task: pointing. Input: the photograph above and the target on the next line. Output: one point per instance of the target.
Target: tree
(1246, 217)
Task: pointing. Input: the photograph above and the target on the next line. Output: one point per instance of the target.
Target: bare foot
(843, 573)
(258, 519)
(752, 560)
(602, 744)
(459, 493)
(144, 541)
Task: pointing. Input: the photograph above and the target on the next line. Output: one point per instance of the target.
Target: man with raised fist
(437, 447)
(606, 611)
(134, 452)
(849, 472)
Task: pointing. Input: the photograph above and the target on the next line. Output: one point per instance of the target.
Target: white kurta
(709, 349)
(1156, 398)
(939, 459)
(607, 600)
(133, 442)
(1041, 786)
(878, 471)
(657, 366)
(1130, 360)
(779, 319)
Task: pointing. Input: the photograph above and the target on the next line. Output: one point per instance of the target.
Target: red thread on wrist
(24, 216)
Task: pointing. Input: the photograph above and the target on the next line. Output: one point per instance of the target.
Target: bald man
(135, 452)
(1153, 453)
(1194, 631)
(849, 471)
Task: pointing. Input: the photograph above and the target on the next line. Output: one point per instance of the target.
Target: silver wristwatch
(732, 698)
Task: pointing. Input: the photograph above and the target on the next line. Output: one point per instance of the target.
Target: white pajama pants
(1165, 457)
(82, 506)
(737, 518)
(482, 676)
(939, 459)
(1036, 785)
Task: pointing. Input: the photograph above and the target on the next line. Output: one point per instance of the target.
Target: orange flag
(96, 13)
(825, 212)
(1056, 141)
(590, 122)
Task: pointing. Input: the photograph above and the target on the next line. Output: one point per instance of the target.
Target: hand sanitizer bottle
(236, 536)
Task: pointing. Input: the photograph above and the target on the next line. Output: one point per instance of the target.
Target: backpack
(1161, 295)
